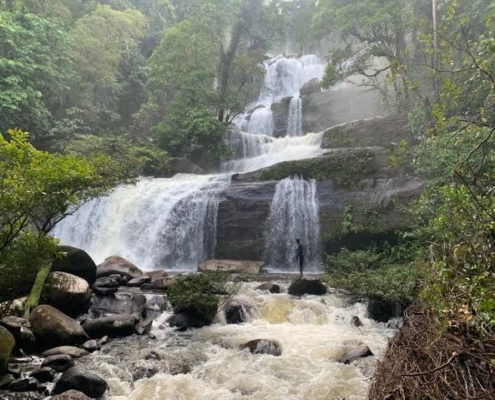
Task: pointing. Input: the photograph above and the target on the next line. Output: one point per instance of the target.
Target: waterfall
(157, 224)
(261, 122)
(295, 117)
(293, 215)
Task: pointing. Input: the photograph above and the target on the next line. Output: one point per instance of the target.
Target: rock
(77, 378)
(143, 326)
(383, 311)
(103, 341)
(354, 354)
(302, 286)
(20, 329)
(262, 346)
(184, 166)
(53, 328)
(232, 266)
(68, 293)
(271, 287)
(356, 321)
(183, 321)
(74, 352)
(71, 395)
(43, 375)
(7, 343)
(6, 380)
(106, 282)
(143, 369)
(334, 107)
(122, 280)
(138, 282)
(119, 325)
(91, 346)
(118, 265)
(119, 303)
(58, 363)
(21, 396)
(24, 385)
(104, 292)
(14, 308)
(77, 262)
(237, 310)
(311, 86)
(280, 113)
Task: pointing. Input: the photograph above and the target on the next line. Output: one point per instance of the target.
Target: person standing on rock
(300, 255)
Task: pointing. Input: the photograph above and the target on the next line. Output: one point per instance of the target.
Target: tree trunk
(34, 297)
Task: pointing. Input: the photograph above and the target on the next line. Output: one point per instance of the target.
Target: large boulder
(119, 325)
(354, 354)
(53, 328)
(116, 265)
(280, 112)
(7, 343)
(77, 262)
(77, 378)
(302, 286)
(311, 86)
(68, 293)
(71, 395)
(21, 330)
(119, 303)
(263, 346)
(74, 352)
(232, 266)
(58, 363)
(238, 310)
(186, 320)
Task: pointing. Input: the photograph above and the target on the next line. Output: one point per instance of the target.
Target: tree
(37, 191)
(34, 71)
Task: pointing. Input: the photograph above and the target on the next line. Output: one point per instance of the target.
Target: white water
(261, 122)
(156, 224)
(293, 215)
(295, 127)
(314, 333)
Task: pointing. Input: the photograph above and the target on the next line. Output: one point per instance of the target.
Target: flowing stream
(208, 364)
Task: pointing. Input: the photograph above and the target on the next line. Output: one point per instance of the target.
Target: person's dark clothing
(300, 257)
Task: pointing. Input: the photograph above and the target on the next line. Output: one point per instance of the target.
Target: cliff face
(361, 197)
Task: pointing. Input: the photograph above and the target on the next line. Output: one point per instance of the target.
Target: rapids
(314, 333)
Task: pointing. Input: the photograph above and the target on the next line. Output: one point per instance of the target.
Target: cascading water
(293, 215)
(158, 223)
(208, 363)
(295, 117)
(261, 122)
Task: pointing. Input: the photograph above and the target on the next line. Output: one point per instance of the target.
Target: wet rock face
(280, 112)
(237, 310)
(303, 286)
(77, 378)
(68, 293)
(77, 262)
(312, 86)
(53, 328)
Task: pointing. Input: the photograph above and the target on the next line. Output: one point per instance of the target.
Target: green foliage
(199, 293)
(38, 190)
(373, 273)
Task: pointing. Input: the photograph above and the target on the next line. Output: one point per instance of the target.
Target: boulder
(263, 346)
(58, 363)
(232, 266)
(21, 396)
(71, 395)
(356, 321)
(119, 303)
(302, 286)
(20, 329)
(138, 282)
(43, 375)
(271, 287)
(7, 343)
(118, 265)
(53, 328)
(24, 385)
(354, 354)
(143, 326)
(105, 292)
(77, 378)
(113, 326)
(106, 282)
(382, 310)
(77, 262)
(237, 310)
(6, 380)
(74, 352)
(280, 113)
(185, 320)
(184, 166)
(91, 346)
(68, 293)
(311, 86)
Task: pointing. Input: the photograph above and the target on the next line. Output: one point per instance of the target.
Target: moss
(344, 168)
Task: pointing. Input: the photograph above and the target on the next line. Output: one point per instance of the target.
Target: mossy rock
(7, 343)
(344, 167)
